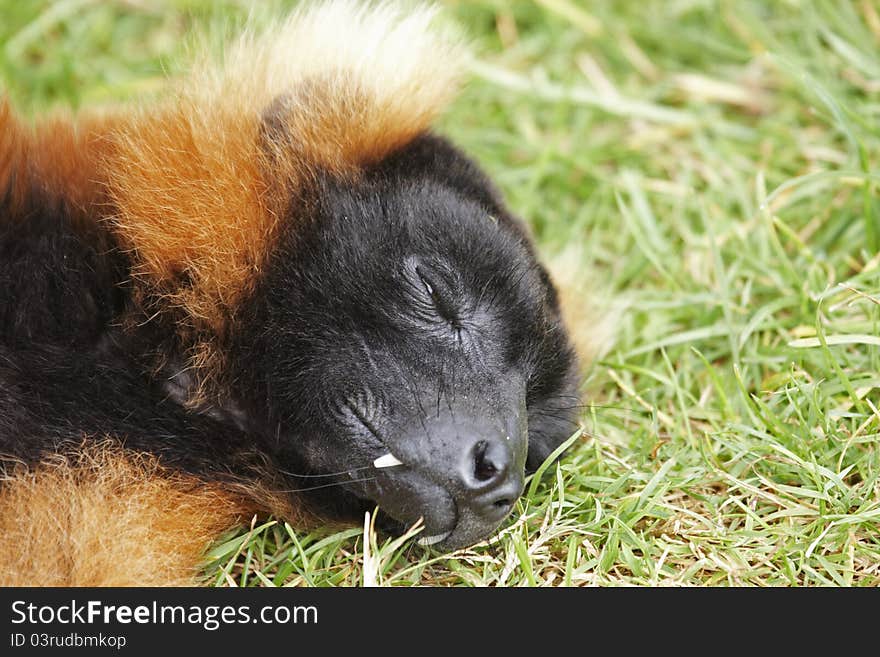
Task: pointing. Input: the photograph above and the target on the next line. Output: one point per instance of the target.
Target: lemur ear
(302, 132)
(273, 131)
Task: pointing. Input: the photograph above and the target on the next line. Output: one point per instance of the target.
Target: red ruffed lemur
(274, 278)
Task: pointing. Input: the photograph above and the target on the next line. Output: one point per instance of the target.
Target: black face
(409, 347)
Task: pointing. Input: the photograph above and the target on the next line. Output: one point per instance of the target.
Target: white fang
(387, 461)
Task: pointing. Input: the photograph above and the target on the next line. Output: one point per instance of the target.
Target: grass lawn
(717, 166)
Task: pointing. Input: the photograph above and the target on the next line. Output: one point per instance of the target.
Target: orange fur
(104, 517)
(191, 200)
(59, 157)
(11, 146)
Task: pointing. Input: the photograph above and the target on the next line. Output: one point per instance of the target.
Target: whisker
(556, 416)
(330, 485)
(326, 474)
(633, 411)
(584, 433)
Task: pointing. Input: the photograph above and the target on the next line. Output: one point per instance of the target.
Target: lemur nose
(490, 461)
(490, 485)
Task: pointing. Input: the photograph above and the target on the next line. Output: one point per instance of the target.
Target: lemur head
(368, 304)
(407, 343)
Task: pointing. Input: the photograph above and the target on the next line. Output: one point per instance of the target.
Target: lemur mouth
(389, 460)
(472, 520)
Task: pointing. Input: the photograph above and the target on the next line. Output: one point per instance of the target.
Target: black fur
(405, 311)
(69, 372)
(58, 284)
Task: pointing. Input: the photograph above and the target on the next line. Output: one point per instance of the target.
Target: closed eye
(429, 286)
(440, 301)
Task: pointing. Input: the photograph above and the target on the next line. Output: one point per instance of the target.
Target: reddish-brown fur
(106, 517)
(58, 158)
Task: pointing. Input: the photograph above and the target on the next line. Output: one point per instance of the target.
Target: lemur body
(276, 277)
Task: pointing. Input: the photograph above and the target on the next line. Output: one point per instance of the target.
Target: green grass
(717, 163)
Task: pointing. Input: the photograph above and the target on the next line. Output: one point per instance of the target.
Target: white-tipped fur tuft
(396, 54)
(353, 80)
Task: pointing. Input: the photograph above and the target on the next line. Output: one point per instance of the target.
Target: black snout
(489, 478)
(461, 471)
